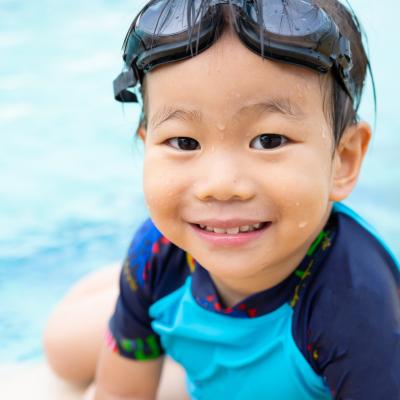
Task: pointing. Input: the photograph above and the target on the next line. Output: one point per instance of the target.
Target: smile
(234, 230)
(230, 234)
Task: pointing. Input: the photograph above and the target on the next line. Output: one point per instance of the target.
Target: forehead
(227, 79)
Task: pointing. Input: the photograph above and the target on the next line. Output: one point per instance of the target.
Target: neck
(232, 291)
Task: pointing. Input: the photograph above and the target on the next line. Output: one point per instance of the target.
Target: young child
(250, 273)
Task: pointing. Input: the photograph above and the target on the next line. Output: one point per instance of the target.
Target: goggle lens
(300, 19)
(167, 18)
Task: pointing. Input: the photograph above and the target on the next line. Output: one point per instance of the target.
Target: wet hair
(344, 111)
(340, 109)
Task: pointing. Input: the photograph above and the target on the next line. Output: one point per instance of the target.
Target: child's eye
(184, 143)
(268, 141)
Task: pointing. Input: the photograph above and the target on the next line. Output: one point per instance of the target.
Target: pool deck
(34, 381)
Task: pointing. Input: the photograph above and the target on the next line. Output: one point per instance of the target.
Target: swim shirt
(331, 330)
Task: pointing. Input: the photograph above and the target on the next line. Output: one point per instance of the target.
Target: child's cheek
(157, 187)
(163, 194)
(301, 196)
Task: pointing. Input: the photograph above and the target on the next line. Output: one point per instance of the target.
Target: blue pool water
(70, 171)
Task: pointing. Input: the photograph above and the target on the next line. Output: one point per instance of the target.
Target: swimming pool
(70, 171)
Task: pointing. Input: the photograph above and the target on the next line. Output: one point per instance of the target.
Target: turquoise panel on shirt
(235, 358)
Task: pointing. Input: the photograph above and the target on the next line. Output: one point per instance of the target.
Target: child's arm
(130, 361)
(119, 378)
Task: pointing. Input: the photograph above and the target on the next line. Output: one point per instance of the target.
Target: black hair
(342, 110)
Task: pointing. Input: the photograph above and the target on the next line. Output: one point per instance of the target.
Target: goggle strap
(122, 82)
(344, 65)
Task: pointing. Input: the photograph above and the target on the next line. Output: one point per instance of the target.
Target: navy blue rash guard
(330, 330)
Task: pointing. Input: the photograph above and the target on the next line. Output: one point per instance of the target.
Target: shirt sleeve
(130, 332)
(355, 341)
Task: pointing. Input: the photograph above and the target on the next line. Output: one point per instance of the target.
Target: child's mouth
(234, 230)
(231, 236)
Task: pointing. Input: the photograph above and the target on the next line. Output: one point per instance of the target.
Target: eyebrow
(168, 112)
(282, 106)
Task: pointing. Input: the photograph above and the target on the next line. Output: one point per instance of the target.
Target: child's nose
(224, 180)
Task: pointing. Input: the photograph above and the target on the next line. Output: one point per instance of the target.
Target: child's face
(231, 179)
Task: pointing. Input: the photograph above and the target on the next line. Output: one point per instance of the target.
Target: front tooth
(202, 226)
(233, 231)
(218, 230)
(208, 229)
(256, 226)
(244, 228)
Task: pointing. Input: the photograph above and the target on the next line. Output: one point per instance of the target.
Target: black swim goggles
(292, 31)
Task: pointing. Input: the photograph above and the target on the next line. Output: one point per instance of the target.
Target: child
(250, 273)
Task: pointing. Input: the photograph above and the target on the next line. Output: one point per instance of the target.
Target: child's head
(234, 140)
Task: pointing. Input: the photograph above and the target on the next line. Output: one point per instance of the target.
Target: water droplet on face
(325, 134)
(297, 203)
(212, 149)
(303, 224)
(221, 126)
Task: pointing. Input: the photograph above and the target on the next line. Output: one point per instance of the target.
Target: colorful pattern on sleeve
(130, 333)
(347, 317)
(138, 349)
(143, 280)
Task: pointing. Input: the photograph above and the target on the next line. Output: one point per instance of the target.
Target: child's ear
(348, 159)
(141, 131)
